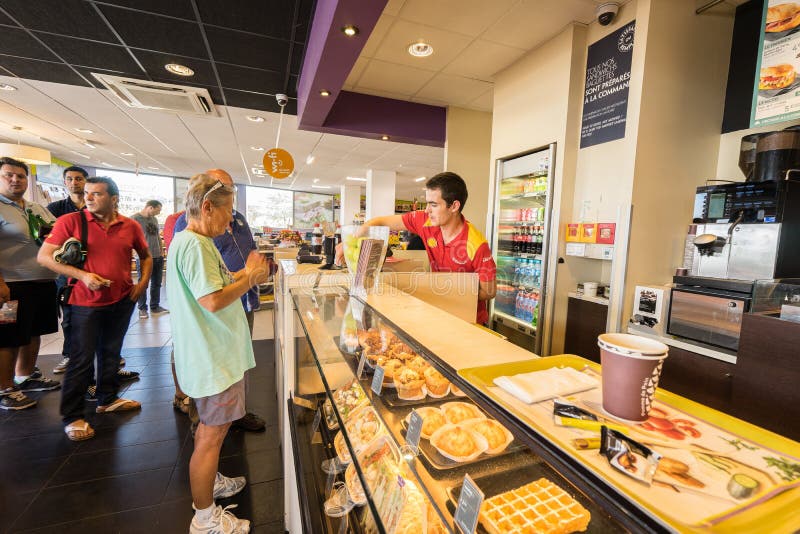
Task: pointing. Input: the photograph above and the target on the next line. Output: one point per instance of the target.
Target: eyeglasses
(214, 187)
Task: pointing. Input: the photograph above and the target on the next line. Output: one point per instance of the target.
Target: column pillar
(380, 193)
(350, 203)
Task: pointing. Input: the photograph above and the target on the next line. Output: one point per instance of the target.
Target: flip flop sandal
(119, 405)
(79, 431)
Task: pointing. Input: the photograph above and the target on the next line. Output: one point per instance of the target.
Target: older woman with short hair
(212, 343)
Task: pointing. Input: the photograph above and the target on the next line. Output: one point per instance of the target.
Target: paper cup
(631, 368)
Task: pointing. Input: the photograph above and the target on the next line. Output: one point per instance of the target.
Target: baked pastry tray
(502, 481)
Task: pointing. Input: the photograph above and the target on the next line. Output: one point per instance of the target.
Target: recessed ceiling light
(419, 179)
(255, 118)
(180, 70)
(321, 186)
(350, 30)
(126, 153)
(6, 87)
(88, 144)
(84, 130)
(316, 180)
(79, 154)
(385, 137)
(153, 168)
(257, 148)
(105, 164)
(258, 165)
(310, 159)
(420, 49)
(325, 92)
(356, 179)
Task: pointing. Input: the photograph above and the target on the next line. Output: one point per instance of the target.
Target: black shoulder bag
(65, 291)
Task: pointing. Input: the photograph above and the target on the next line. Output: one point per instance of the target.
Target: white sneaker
(222, 522)
(225, 487)
(62, 366)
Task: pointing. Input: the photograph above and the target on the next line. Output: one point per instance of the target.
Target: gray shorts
(222, 408)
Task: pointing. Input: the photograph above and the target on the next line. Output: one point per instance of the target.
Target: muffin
(418, 364)
(390, 367)
(409, 384)
(437, 384)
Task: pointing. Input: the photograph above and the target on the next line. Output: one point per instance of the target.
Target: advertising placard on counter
(605, 96)
(776, 96)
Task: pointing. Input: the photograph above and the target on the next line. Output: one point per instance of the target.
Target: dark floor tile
(134, 434)
(178, 487)
(269, 528)
(138, 361)
(241, 442)
(30, 476)
(262, 466)
(150, 382)
(174, 516)
(261, 503)
(72, 502)
(152, 395)
(157, 369)
(151, 411)
(12, 504)
(22, 450)
(130, 522)
(143, 351)
(122, 461)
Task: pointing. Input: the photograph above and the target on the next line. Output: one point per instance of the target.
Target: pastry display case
(357, 473)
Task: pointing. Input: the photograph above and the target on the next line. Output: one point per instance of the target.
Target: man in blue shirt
(234, 246)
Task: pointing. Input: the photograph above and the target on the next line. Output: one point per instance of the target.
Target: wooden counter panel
(585, 321)
(702, 379)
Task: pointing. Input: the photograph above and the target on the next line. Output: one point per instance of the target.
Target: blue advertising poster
(776, 95)
(605, 97)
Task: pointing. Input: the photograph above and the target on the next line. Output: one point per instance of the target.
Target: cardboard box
(606, 233)
(588, 233)
(573, 232)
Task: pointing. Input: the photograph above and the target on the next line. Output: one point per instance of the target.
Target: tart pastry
(409, 383)
(432, 420)
(540, 506)
(437, 384)
(496, 434)
(455, 412)
(458, 443)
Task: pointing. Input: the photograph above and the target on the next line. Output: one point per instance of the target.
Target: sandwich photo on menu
(777, 77)
(782, 17)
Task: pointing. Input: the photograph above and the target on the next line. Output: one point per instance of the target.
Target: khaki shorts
(222, 408)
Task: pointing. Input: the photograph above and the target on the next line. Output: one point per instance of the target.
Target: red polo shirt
(468, 252)
(109, 255)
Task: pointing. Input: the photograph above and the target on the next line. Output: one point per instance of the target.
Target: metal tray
(502, 481)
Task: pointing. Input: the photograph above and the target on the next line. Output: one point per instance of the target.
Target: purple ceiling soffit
(330, 55)
(361, 115)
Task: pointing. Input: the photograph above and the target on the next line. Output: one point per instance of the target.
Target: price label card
(414, 429)
(377, 379)
(469, 506)
(361, 362)
(317, 418)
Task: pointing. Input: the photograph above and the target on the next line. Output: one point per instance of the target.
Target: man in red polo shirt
(452, 243)
(102, 300)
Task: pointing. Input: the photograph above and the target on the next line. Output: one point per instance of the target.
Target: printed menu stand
(469, 506)
(377, 380)
(368, 266)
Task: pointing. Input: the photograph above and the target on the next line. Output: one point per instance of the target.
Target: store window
(312, 208)
(136, 189)
(181, 187)
(268, 207)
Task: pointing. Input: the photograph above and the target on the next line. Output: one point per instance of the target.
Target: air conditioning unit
(144, 94)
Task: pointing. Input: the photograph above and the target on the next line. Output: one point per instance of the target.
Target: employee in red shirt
(452, 242)
(102, 300)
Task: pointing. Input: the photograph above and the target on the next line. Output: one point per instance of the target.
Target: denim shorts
(222, 408)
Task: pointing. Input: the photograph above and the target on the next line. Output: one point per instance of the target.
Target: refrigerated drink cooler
(519, 236)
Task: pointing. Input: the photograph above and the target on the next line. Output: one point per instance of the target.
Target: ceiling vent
(144, 94)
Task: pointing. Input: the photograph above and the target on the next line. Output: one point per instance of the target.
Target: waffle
(538, 507)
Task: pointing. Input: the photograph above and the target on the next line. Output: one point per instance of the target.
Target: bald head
(222, 176)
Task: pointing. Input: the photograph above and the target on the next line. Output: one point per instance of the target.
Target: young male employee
(452, 242)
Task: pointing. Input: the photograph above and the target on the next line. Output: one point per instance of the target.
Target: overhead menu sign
(605, 96)
(776, 95)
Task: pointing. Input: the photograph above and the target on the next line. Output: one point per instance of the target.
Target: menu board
(605, 96)
(776, 95)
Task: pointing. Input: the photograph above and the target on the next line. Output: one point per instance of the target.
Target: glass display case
(779, 297)
(347, 437)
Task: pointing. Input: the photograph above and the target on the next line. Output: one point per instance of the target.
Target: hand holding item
(95, 282)
(256, 268)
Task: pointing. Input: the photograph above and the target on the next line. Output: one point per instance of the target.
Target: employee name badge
(414, 430)
(469, 506)
(377, 379)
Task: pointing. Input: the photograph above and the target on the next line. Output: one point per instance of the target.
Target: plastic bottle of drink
(530, 280)
(535, 311)
(518, 304)
(528, 307)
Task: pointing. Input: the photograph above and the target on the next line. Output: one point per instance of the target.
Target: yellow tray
(777, 514)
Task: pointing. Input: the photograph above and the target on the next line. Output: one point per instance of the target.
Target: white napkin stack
(542, 385)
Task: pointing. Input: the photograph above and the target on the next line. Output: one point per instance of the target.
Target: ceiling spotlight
(84, 130)
(356, 179)
(420, 49)
(255, 118)
(316, 180)
(88, 144)
(6, 87)
(153, 168)
(350, 30)
(257, 148)
(126, 153)
(385, 137)
(324, 92)
(180, 70)
(420, 178)
(84, 156)
(321, 186)
(103, 163)
(310, 159)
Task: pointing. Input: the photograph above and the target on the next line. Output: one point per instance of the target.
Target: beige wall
(469, 137)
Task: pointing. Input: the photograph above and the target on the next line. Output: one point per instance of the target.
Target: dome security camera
(282, 99)
(606, 13)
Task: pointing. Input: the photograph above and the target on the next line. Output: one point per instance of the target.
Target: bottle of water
(518, 304)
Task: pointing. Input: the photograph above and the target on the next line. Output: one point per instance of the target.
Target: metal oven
(708, 315)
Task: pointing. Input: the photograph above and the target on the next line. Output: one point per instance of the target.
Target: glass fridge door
(522, 213)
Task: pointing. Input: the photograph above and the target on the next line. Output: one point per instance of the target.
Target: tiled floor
(133, 475)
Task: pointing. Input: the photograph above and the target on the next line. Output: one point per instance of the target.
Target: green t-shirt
(212, 350)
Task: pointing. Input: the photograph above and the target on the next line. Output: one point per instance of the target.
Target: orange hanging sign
(278, 163)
